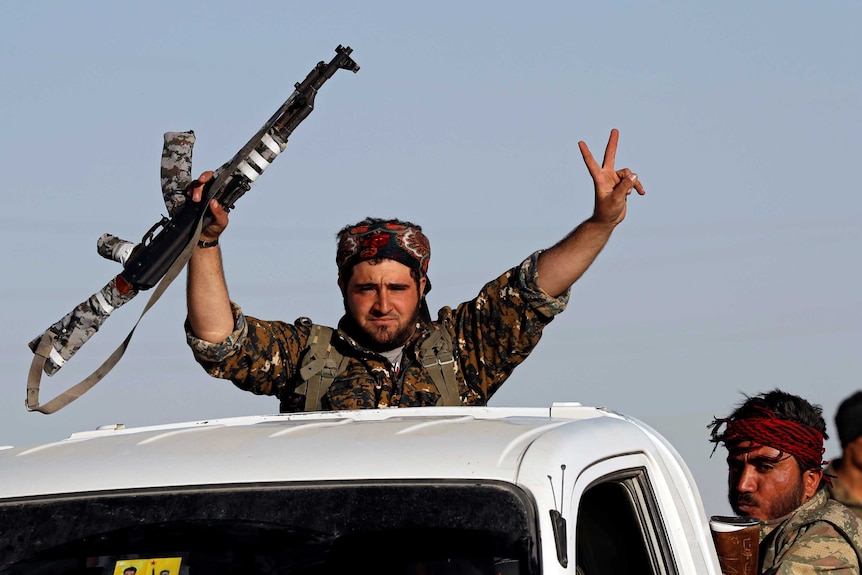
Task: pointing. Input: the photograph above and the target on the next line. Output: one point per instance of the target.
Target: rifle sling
(40, 356)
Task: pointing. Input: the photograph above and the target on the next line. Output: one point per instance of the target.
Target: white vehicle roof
(552, 456)
(447, 443)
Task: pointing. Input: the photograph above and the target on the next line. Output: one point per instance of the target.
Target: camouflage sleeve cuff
(528, 281)
(218, 352)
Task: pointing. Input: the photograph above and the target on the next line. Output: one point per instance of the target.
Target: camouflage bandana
(401, 242)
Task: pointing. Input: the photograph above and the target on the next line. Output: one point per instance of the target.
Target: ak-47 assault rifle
(167, 246)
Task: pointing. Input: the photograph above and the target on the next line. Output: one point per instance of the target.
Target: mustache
(744, 499)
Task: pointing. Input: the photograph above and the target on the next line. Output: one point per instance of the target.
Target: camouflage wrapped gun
(167, 245)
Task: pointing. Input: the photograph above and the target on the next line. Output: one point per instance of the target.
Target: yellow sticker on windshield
(154, 566)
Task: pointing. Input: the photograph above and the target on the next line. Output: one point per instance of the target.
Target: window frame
(630, 473)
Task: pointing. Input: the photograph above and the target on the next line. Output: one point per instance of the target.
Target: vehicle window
(213, 549)
(619, 529)
(385, 529)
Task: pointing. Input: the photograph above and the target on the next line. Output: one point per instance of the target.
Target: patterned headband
(397, 241)
(802, 441)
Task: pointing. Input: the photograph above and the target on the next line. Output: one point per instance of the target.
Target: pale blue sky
(738, 272)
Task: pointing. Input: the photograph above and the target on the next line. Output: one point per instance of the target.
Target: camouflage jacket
(821, 535)
(492, 334)
(839, 492)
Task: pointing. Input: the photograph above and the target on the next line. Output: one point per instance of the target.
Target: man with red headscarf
(387, 351)
(775, 448)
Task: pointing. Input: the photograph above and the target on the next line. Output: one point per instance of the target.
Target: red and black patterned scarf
(395, 241)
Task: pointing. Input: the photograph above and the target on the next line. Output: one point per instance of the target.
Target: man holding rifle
(774, 457)
(387, 351)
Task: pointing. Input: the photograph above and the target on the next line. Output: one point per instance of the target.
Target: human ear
(811, 481)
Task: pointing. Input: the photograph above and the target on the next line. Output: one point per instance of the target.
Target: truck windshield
(422, 528)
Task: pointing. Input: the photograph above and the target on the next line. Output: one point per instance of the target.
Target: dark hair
(785, 406)
(848, 419)
(347, 273)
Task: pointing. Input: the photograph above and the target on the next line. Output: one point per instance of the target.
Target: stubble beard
(384, 338)
(779, 507)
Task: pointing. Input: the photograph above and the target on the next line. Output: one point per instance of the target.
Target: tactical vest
(322, 363)
(834, 514)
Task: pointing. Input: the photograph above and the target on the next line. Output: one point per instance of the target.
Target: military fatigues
(821, 535)
(492, 334)
(840, 493)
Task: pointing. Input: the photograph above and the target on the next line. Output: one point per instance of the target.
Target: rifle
(167, 245)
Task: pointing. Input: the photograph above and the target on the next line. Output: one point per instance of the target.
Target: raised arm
(207, 297)
(563, 264)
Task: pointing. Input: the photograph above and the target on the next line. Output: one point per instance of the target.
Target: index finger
(592, 166)
(197, 186)
(611, 150)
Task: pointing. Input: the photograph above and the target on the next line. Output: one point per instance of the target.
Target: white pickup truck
(570, 489)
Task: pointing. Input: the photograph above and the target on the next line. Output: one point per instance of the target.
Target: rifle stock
(736, 543)
(165, 248)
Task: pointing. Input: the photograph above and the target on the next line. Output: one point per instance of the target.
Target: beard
(780, 506)
(382, 338)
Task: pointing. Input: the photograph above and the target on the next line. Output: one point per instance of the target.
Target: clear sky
(738, 272)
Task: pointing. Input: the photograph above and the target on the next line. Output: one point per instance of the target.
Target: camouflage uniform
(840, 493)
(821, 535)
(492, 334)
